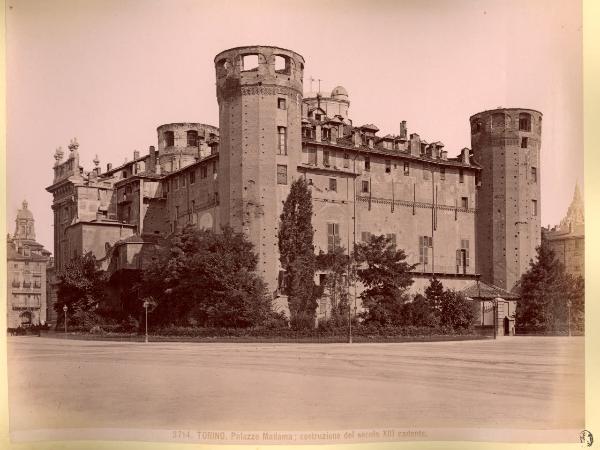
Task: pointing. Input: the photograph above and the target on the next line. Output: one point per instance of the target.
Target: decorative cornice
(269, 90)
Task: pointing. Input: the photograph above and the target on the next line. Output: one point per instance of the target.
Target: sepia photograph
(316, 222)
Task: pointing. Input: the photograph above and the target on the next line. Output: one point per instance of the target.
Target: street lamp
(146, 304)
(569, 315)
(65, 308)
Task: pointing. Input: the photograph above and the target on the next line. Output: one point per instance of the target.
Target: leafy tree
(575, 296)
(297, 255)
(337, 265)
(207, 279)
(82, 288)
(434, 294)
(418, 312)
(386, 276)
(456, 311)
(545, 291)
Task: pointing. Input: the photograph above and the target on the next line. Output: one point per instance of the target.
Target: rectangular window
(462, 257)
(176, 183)
(326, 157)
(204, 171)
(183, 177)
(442, 173)
(281, 103)
(464, 202)
(534, 208)
(333, 237)
(524, 142)
(367, 163)
(282, 147)
(192, 138)
(333, 184)
(346, 160)
(461, 176)
(312, 156)
(169, 138)
(388, 166)
(406, 168)
(534, 174)
(192, 177)
(365, 236)
(281, 174)
(365, 186)
(392, 238)
(326, 134)
(425, 243)
(214, 167)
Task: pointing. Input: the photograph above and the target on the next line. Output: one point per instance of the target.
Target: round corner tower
(259, 91)
(506, 144)
(181, 144)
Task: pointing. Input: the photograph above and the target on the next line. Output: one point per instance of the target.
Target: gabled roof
(370, 127)
(483, 291)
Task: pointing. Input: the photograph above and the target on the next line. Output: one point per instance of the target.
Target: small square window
(281, 103)
(333, 184)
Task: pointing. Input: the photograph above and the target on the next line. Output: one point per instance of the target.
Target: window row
(190, 177)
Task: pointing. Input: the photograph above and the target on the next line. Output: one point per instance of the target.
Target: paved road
(517, 382)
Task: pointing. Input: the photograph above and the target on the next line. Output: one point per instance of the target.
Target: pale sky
(109, 72)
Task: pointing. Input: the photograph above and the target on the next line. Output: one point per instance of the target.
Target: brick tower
(506, 143)
(259, 91)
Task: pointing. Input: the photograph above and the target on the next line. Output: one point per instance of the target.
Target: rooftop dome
(340, 93)
(24, 213)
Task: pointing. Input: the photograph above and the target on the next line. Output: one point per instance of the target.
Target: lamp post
(65, 308)
(569, 315)
(146, 304)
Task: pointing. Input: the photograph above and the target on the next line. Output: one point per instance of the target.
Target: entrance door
(506, 326)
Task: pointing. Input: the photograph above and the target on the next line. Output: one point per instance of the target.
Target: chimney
(465, 156)
(318, 133)
(136, 155)
(403, 129)
(109, 167)
(356, 138)
(152, 159)
(415, 144)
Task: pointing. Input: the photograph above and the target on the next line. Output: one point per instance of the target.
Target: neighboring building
(269, 135)
(26, 277)
(568, 239)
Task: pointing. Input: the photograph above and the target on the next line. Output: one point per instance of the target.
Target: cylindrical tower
(506, 143)
(259, 91)
(181, 144)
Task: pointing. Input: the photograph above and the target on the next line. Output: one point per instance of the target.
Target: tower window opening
(281, 174)
(282, 133)
(388, 166)
(524, 142)
(406, 169)
(192, 138)
(281, 103)
(365, 186)
(464, 202)
(524, 122)
(461, 176)
(169, 138)
(282, 64)
(534, 174)
(534, 208)
(250, 62)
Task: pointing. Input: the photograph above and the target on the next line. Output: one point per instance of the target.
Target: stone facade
(568, 239)
(26, 274)
(269, 135)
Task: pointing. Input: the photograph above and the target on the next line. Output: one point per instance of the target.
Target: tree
(545, 291)
(296, 254)
(456, 311)
(82, 288)
(336, 264)
(386, 276)
(434, 294)
(207, 279)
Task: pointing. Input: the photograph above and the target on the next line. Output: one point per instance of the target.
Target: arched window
(249, 62)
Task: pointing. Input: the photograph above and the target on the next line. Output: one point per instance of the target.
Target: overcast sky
(110, 72)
